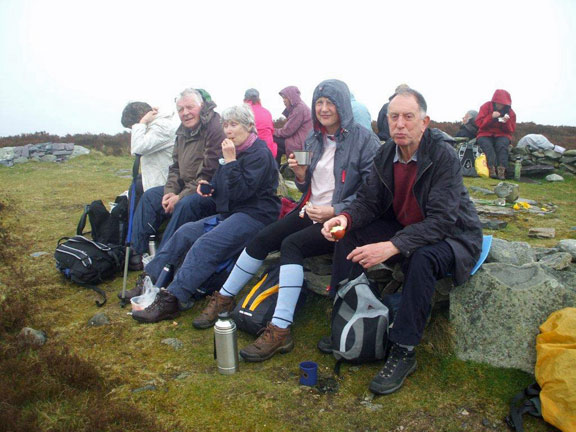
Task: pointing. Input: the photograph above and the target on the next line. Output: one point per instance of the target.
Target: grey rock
(551, 154)
(98, 320)
(148, 387)
(29, 336)
(527, 201)
(321, 265)
(542, 232)
(317, 283)
(48, 158)
(493, 224)
(79, 151)
(568, 245)
(7, 153)
(371, 406)
(542, 252)
(482, 190)
(557, 261)
(183, 375)
(567, 168)
(516, 253)
(20, 160)
(537, 170)
(571, 153)
(508, 191)
(554, 178)
(496, 314)
(568, 160)
(488, 210)
(173, 342)
(38, 254)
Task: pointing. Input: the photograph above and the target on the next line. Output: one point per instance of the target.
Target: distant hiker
(152, 137)
(264, 122)
(468, 128)
(195, 158)
(496, 123)
(298, 124)
(412, 209)
(243, 193)
(382, 121)
(361, 113)
(342, 153)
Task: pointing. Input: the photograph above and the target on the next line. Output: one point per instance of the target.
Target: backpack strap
(531, 405)
(82, 221)
(99, 291)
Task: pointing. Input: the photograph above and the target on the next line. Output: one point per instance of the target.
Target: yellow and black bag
(255, 310)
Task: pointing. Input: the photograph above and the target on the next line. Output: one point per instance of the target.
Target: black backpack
(107, 227)
(88, 262)
(467, 154)
(256, 309)
(359, 325)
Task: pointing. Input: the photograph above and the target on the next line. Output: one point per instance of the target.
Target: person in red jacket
(496, 123)
(264, 122)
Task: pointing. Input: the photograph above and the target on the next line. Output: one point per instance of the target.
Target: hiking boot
(135, 262)
(501, 173)
(399, 364)
(325, 345)
(492, 171)
(271, 340)
(137, 290)
(164, 306)
(218, 303)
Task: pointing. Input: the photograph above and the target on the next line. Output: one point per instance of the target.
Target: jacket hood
(292, 93)
(337, 91)
(502, 97)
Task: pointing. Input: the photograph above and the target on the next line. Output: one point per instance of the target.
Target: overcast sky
(71, 66)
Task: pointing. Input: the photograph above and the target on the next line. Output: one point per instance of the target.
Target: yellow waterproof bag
(481, 166)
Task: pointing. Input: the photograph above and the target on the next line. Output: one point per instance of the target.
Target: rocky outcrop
(45, 152)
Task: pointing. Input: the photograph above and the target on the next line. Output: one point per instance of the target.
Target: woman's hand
(228, 150)
(299, 170)
(319, 213)
(331, 223)
(495, 114)
(199, 189)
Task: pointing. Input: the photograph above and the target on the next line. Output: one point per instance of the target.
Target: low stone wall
(45, 152)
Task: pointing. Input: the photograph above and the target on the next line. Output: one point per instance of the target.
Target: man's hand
(319, 213)
(299, 170)
(228, 150)
(371, 254)
(331, 223)
(149, 116)
(169, 201)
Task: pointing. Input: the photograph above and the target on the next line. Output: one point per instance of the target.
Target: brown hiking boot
(137, 290)
(272, 340)
(502, 173)
(492, 171)
(218, 303)
(164, 306)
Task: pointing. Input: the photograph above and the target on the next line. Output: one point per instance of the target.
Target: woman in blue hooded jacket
(342, 153)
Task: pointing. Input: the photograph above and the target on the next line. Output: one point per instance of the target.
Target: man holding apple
(413, 208)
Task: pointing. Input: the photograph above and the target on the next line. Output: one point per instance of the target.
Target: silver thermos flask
(226, 344)
(152, 245)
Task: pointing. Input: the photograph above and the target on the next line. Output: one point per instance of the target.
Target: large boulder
(516, 253)
(496, 314)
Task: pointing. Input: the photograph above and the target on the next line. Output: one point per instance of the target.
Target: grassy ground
(120, 377)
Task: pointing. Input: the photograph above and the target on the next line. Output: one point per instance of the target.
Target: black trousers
(496, 150)
(296, 238)
(281, 143)
(421, 270)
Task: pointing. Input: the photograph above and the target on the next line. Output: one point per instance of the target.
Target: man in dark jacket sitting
(413, 208)
(468, 128)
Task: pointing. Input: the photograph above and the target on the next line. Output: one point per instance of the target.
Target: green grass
(84, 378)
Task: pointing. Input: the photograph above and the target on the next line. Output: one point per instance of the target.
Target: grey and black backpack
(360, 322)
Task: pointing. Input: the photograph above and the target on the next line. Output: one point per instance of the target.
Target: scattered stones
(508, 191)
(554, 178)
(568, 245)
(98, 320)
(31, 337)
(173, 342)
(557, 261)
(148, 387)
(371, 406)
(542, 232)
(38, 254)
(493, 224)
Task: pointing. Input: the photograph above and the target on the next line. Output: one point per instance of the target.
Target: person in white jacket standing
(152, 137)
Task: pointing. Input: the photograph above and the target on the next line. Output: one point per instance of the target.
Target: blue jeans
(150, 215)
(199, 253)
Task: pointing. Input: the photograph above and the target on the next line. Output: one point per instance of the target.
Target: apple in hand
(337, 232)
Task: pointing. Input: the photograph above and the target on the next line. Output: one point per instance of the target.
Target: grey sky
(70, 66)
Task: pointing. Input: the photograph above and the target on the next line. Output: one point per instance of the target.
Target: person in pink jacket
(264, 122)
(298, 124)
(496, 123)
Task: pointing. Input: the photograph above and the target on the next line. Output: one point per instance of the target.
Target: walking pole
(135, 169)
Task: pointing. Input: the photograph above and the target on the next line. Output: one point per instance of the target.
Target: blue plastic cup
(308, 373)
